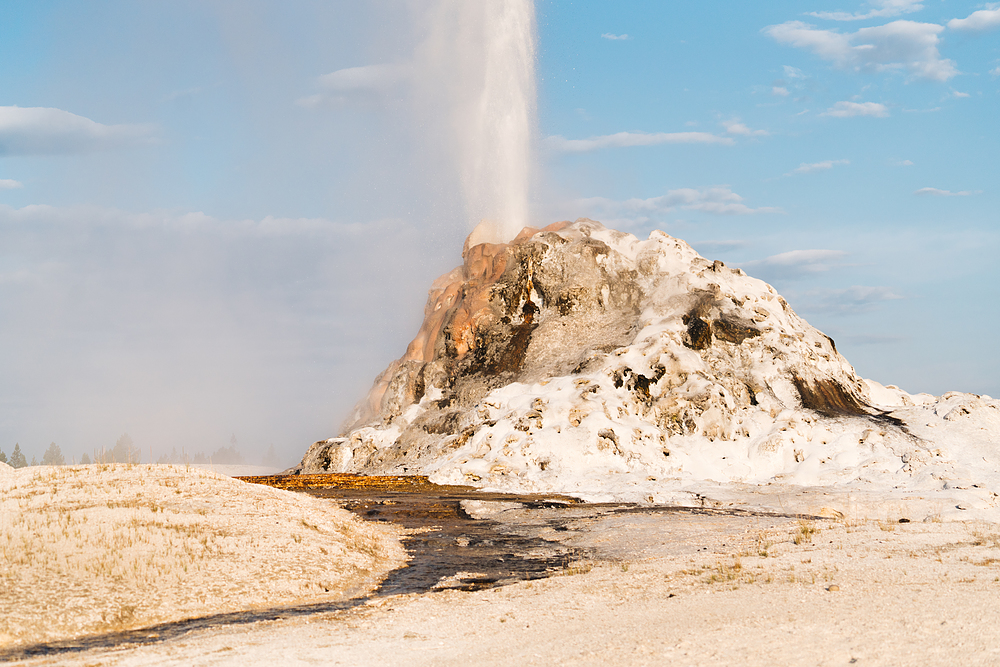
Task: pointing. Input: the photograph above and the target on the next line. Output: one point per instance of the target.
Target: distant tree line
(222, 456)
(125, 451)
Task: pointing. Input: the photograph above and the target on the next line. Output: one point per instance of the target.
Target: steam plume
(481, 56)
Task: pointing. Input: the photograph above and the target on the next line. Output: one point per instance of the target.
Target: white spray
(481, 57)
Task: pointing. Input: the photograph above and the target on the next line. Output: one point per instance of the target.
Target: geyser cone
(580, 359)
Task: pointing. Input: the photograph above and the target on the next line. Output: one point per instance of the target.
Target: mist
(250, 266)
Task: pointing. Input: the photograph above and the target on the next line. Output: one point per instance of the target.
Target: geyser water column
(484, 50)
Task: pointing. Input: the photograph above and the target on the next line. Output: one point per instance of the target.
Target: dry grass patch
(90, 549)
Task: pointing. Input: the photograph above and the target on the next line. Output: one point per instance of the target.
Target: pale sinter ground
(99, 548)
(696, 590)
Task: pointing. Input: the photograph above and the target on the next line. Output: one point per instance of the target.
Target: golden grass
(89, 549)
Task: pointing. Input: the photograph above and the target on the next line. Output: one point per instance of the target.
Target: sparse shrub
(983, 536)
(804, 533)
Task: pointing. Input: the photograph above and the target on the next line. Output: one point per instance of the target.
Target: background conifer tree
(17, 457)
(53, 456)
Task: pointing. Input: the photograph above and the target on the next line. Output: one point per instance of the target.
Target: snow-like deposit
(583, 360)
(92, 549)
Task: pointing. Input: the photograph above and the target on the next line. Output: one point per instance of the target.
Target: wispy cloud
(936, 192)
(903, 163)
(900, 46)
(368, 81)
(995, 72)
(720, 200)
(706, 247)
(808, 167)
(609, 35)
(794, 264)
(626, 139)
(980, 21)
(851, 109)
(10, 184)
(780, 91)
(97, 217)
(883, 9)
(855, 299)
(734, 126)
(189, 92)
(47, 131)
(793, 72)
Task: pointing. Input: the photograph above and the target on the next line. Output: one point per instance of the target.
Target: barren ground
(666, 589)
(93, 549)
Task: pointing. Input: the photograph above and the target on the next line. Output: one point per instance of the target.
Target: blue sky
(212, 222)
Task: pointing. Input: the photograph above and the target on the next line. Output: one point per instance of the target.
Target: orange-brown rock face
(479, 319)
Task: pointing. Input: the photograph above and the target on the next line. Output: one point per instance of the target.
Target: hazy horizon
(222, 218)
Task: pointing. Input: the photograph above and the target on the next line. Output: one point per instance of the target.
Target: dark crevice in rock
(830, 398)
(733, 330)
(699, 333)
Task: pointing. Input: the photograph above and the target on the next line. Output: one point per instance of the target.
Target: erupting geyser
(583, 360)
(485, 51)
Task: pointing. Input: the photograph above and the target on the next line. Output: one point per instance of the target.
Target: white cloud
(10, 184)
(189, 92)
(624, 139)
(945, 193)
(981, 21)
(103, 217)
(819, 260)
(884, 9)
(904, 163)
(609, 35)
(995, 72)
(780, 91)
(707, 247)
(793, 72)
(719, 200)
(794, 263)
(898, 46)
(858, 298)
(851, 109)
(806, 168)
(46, 131)
(376, 81)
(734, 126)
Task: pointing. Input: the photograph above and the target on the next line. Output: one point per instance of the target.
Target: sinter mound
(582, 360)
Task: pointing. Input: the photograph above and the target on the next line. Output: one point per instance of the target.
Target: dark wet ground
(446, 545)
(448, 548)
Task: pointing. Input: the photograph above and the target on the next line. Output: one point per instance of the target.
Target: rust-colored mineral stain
(408, 483)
